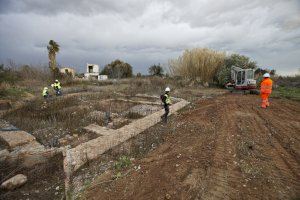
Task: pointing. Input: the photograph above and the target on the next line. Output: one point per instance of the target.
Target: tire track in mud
(223, 178)
(252, 147)
(206, 117)
(231, 149)
(283, 133)
(283, 166)
(285, 159)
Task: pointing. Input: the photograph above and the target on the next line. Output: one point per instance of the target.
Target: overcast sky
(145, 32)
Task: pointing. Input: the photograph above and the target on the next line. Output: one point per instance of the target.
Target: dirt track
(221, 148)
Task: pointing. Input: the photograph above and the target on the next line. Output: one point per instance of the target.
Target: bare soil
(225, 147)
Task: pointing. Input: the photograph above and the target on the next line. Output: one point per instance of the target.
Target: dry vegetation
(22, 81)
(200, 64)
(58, 117)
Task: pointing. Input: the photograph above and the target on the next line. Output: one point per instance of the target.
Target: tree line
(115, 69)
(201, 64)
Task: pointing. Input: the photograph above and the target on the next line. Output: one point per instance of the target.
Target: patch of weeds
(12, 92)
(117, 175)
(287, 92)
(87, 184)
(251, 169)
(56, 114)
(122, 163)
(245, 148)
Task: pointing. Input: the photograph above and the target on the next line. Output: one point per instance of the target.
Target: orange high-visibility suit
(265, 91)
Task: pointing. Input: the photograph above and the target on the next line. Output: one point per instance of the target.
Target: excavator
(242, 80)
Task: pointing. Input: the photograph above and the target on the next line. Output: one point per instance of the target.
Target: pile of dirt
(225, 147)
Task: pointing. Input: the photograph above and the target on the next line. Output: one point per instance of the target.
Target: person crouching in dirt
(45, 93)
(167, 102)
(57, 87)
(265, 90)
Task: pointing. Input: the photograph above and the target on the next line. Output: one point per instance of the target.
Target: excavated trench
(41, 177)
(60, 122)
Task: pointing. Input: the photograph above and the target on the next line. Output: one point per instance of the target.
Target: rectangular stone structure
(92, 149)
(15, 138)
(99, 130)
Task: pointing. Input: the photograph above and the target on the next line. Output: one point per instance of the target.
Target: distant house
(67, 70)
(102, 77)
(93, 72)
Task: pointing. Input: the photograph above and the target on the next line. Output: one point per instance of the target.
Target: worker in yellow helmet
(167, 102)
(57, 87)
(45, 93)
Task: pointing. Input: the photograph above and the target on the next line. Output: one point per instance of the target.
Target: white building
(93, 72)
(102, 77)
(67, 70)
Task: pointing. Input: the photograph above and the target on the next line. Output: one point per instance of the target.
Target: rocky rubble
(14, 182)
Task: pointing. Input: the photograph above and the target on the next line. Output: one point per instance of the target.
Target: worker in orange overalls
(265, 90)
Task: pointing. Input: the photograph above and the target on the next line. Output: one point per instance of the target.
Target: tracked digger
(242, 80)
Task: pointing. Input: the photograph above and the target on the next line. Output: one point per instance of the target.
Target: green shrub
(11, 92)
(224, 74)
(122, 163)
(288, 81)
(156, 70)
(287, 92)
(8, 75)
(241, 61)
(138, 75)
(117, 69)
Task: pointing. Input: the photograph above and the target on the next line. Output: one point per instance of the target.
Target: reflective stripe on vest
(266, 86)
(168, 99)
(57, 85)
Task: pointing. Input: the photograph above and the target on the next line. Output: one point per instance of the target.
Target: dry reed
(199, 64)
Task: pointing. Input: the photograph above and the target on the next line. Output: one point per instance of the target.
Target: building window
(90, 69)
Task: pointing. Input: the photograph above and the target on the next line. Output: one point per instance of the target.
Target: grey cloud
(77, 7)
(145, 32)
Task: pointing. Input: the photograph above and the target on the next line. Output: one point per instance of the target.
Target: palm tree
(53, 48)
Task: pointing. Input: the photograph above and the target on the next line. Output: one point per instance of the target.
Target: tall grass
(199, 64)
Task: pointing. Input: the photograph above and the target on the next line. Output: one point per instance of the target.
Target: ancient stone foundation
(109, 138)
